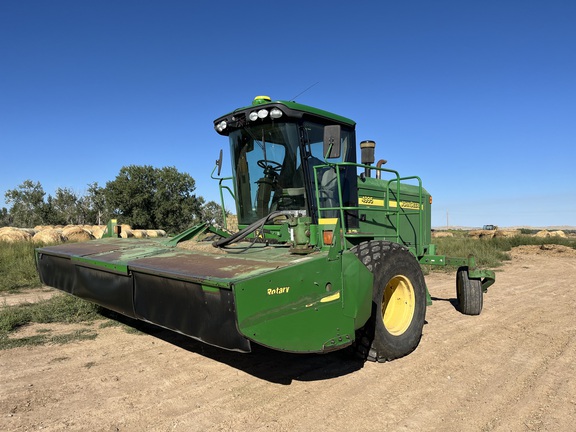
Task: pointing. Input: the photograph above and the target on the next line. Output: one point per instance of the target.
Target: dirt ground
(510, 369)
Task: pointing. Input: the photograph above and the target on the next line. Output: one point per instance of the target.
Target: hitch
(487, 277)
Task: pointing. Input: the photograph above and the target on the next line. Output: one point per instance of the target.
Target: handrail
(419, 245)
(220, 188)
(386, 209)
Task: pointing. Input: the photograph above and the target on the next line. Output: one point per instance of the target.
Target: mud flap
(110, 290)
(206, 314)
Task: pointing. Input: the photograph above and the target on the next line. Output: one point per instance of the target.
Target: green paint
(112, 267)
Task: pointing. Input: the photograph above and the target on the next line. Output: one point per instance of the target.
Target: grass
(43, 339)
(491, 253)
(487, 253)
(17, 272)
(17, 266)
(60, 308)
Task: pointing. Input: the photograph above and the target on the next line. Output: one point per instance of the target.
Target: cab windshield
(268, 170)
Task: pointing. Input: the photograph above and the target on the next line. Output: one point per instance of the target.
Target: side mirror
(332, 141)
(219, 163)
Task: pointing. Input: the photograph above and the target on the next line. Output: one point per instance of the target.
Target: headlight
(221, 126)
(263, 113)
(275, 113)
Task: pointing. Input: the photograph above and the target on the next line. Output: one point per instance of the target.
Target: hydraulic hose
(240, 235)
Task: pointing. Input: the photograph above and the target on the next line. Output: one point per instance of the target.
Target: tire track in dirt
(533, 346)
(541, 335)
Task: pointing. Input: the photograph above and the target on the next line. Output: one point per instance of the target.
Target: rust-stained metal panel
(195, 266)
(97, 247)
(78, 249)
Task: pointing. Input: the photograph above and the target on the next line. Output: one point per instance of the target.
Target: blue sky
(478, 98)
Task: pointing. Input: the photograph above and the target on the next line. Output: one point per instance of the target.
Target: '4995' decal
(371, 201)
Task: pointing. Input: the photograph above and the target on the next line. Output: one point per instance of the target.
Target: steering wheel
(270, 164)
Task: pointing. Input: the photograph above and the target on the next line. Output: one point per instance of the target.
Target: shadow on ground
(267, 364)
(452, 301)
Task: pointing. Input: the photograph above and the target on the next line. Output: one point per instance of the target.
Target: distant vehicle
(489, 227)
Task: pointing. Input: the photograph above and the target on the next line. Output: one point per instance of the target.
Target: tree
(28, 207)
(148, 197)
(175, 206)
(64, 207)
(93, 206)
(212, 213)
(5, 219)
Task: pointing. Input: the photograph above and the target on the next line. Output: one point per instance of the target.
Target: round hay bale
(76, 234)
(39, 228)
(506, 233)
(156, 233)
(139, 234)
(70, 229)
(474, 233)
(232, 222)
(30, 231)
(87, 228)
(543, 234)
(48, 236)
(126, 233)
(441, 234)
(14, 235)
(97, 232)
(558, 233)
(481, 234)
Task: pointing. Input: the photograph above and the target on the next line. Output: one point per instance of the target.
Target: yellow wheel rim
(398, 304)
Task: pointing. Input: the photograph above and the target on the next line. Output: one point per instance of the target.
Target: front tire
(398, 302)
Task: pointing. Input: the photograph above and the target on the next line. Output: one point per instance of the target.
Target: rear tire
(398, 302)
(469, 293)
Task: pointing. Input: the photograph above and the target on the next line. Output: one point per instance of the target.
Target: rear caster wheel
(469, 293)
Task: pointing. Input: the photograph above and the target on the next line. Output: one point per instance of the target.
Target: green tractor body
(327, 254)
